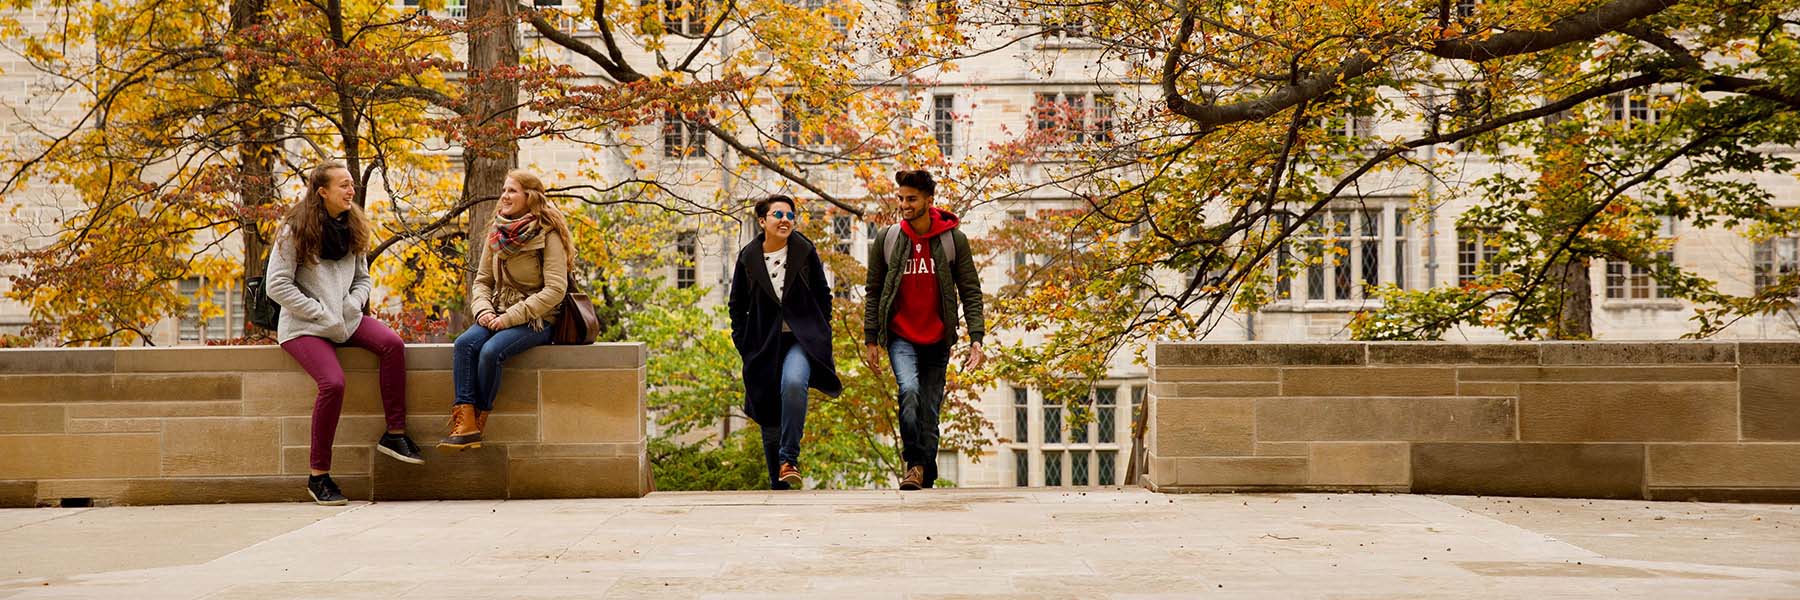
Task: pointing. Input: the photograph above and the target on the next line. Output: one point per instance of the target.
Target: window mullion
(1387, 234)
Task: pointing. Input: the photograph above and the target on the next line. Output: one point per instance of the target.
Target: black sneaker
(400, 447)
(325, 491)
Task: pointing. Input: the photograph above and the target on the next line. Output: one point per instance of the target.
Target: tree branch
(1602, 20)
(771, 165)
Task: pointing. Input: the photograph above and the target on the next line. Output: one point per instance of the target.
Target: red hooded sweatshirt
(918, 314)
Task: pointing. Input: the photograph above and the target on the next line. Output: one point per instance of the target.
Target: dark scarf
(334, 241)
(510, 235)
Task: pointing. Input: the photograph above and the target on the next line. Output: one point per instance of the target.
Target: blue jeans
(781, 442)
(919, 369)
(476, 360)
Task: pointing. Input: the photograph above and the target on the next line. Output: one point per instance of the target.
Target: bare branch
(770, 164)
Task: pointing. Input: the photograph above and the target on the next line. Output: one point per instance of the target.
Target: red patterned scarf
(511, 234)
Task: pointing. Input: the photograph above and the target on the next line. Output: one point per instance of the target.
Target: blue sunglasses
(783, 214)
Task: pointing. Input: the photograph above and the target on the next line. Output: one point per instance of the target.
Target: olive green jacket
(960, 283)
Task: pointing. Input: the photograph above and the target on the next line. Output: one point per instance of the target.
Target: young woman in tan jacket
(519, 288)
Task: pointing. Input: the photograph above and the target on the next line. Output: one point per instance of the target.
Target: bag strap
(891, 241)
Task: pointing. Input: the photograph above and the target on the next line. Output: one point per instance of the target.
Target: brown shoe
(915, 478)
(481, 420)
(465, 428)
(791, 475)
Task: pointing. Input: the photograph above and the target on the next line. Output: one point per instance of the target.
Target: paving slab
(987, 544)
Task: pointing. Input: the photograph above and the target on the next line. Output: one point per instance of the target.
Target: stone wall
(230, 424)
(1654, 420)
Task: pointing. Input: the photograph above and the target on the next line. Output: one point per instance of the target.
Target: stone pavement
(942, 544)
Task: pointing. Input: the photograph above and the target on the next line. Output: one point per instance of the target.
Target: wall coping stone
(1547, 353)
(204, 359)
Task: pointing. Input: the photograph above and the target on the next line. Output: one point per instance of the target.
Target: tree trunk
(490, 149)
(256, 151)
(1576, 320)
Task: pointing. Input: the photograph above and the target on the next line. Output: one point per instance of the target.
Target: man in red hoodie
(920, 271)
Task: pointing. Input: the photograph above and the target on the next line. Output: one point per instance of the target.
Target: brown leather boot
(481, 420)
(465, 428)
(915, 478)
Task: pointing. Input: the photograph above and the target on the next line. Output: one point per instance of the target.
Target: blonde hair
(537, 202)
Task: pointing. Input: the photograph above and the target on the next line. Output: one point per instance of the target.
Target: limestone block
(428, 357)
(1284, 448)
(292, 393)
(592, 406)
(39, 389)
(196, 490)
(345, 460)
(204, 358)
(1240, 471)
(177, 387)
(146, 425)
(1215, 389)
(1770, 401)
(221, 446)
(1384, 419)
(57, 360)
(1368, 382)
(625, 356)
(1487, 388)
(1627, 412)
(1219, 374)
(1626, 353)
(618, 477)
(1442, 353)
(446, 475)
(1160, 472)
(1785, 495)
(1175, 354)
(529, 451)
(18, 494)
(432, 392)
(351, 429)
(77, 456)
(32, 418)
(1205, 427)
(1769, 353)
(501, 428)
(1725, 465)
(152, 410)
(1530, 469)
(1623, 374)
(1360, 464)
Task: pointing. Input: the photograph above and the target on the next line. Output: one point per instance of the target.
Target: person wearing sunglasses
(781, 324)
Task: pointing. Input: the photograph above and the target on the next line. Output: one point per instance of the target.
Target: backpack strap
(890, 242)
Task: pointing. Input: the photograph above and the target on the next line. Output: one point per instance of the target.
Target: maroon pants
(319, 357)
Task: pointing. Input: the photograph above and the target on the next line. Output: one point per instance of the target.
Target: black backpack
(259, 309)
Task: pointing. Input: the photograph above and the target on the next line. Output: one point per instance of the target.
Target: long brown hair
(306, 218)
(537, 202)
